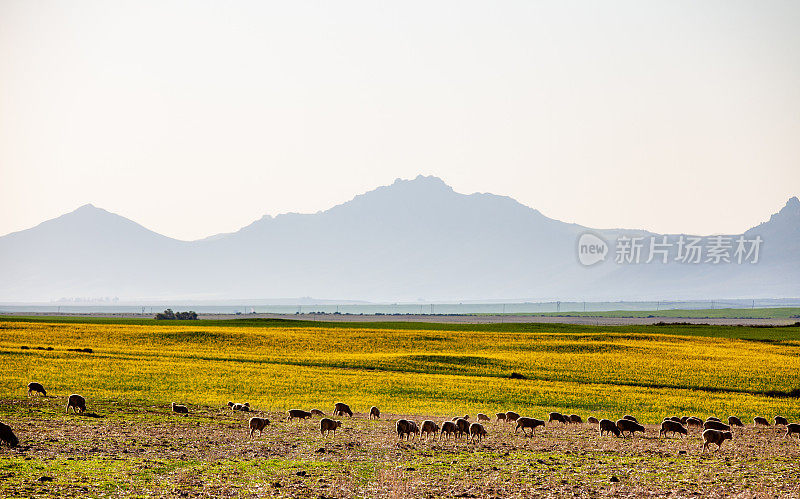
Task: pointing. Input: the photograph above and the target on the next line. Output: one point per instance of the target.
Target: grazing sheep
(403, 427)
(592, 420)
(670, 426)
(241, 407)
(7, 435)
(465, 416)
(693, 421)
(575, 419)
(630, 418)
(557, 416)
(230, 404)
(715, 437)
(428, 428)
(734, 421)
(676, 419)
(712, 418)
(462, 427)
(606, 425)
(299, 414)
(684, 420)
(482, 417)
(477, 430)
(374, 413)
(328, 425)
(257, 424)
(511, 416)
(179, 409)
(77, 403)
(758, 420)
(780, 420)
(317, 412)
(340, 409)
(413, 428)
(716, 425)
(792, 428)
(531, 423)
(501, 416)
(34, 387)
(627, 425)
(449, 428)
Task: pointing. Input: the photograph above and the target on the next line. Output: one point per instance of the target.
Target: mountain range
(411, 240)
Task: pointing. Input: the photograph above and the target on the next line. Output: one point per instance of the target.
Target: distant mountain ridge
(413, 239)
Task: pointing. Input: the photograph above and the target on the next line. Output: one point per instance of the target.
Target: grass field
(709, 313)
(137, 367)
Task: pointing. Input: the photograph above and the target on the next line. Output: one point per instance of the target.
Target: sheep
(374, 413)
(448, 428)
(340, 409)
(413, 428)
(299, 414)
(7, 435)
(531, 423)
(630, 418)
(501, 416)
(403, 428)
(428, 428)
(179, 409)
(780, 420)
(684, 420)
(230, 404)
(716, 425)
(693, 421)
(575, 419)
(482, 417)
(676, 419)
(734, 421)
(511, 416)
(758, 420)
(257, 424)
(557, 416)
(328, 425)
(606, 425)
(462, 427)
(477, 430)
(77, 403)
(34, 387)
(712, 418)
(712, 436)
(317, 412)
(670, 426)
(592, 420)
(792, 428)
(240, 407)
(465, 416)
(627, 425)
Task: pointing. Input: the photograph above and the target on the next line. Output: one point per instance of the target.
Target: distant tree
(168, 314)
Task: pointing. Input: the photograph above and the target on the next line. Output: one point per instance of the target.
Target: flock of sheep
(714, 431)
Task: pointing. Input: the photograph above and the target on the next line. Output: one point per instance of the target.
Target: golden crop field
(607, 371)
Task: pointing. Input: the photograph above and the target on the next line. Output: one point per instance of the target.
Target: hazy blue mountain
(409, 240)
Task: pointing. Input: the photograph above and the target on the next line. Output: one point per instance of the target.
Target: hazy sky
(195, 117)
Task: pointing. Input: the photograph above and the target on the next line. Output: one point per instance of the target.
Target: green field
(130, 443)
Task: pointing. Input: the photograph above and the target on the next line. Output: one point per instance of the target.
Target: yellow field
(603, 371)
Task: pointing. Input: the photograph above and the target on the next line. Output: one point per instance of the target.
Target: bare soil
(121, 449)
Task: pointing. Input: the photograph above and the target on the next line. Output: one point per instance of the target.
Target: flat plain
(129, 443)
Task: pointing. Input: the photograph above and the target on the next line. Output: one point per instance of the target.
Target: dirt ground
(121, 449)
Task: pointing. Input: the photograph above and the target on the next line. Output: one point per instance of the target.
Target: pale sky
(195, 117)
